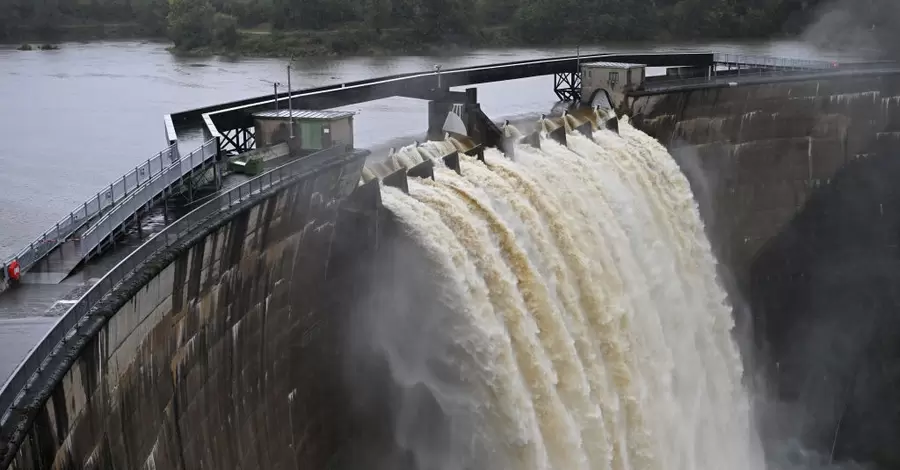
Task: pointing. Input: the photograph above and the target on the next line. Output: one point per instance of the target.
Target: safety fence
(145, 194)
(732, 69)
(103, 200)
(45, 365)
(776, 63)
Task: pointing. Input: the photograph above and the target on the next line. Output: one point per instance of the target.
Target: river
(75, 119)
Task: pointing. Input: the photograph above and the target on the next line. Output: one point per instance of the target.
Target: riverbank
(81, 32)
(352, 41)
(275, 44)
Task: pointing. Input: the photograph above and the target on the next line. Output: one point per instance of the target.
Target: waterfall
(589, 330)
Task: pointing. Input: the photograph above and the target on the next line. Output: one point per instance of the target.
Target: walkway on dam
(662, 85)
(84, 232)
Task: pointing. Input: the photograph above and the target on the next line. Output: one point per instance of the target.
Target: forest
(348, 26)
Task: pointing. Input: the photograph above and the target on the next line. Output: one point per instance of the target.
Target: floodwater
(75, 119)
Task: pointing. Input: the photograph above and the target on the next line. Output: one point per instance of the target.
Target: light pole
(275, 85)
(437, 68)
(577, 59)
(290, 103)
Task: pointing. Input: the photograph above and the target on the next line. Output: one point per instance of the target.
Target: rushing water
(588, 324)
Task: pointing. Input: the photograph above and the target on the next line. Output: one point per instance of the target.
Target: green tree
(190, 23)
(496, 12)
(46, 17)
(378, 14)
(225, 32)
(9, 17)
(281, 15)
(437, 19)
(542, 21)
(151, 14)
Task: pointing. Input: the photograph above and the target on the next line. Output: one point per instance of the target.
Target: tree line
(199, 23)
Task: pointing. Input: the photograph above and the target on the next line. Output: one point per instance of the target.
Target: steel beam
(436, 95)
(567, 86)
(228, 115)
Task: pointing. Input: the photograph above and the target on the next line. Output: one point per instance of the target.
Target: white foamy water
(591, 332)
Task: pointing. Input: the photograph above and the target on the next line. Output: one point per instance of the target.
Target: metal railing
(746, 67)
(664, 82)
(40, 370)
(104, 227)
(210, 129)
(771, 62)
(109, 197)
(171, 135)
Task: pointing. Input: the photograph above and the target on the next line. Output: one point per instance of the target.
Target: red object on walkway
(14, 271)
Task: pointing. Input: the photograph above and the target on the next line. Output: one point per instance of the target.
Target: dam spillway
(580, 323)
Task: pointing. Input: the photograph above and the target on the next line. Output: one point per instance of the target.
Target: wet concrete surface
(26, 314)
(29, 310)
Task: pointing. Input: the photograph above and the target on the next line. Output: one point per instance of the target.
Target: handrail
(109, 197)
(171, 135)
(45, 365)
(94, 236)
(209, 127)
(772, 62)
(662, 81)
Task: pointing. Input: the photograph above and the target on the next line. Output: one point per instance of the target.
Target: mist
(866, 28)
(405, 363)
(801, 432)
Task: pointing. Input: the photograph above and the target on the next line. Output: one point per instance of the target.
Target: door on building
(311, 135)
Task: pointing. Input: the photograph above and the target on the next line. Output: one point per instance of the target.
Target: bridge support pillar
(437, 114)
(438, 109)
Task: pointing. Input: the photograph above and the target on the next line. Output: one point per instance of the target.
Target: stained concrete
(797, 185)
(220, 351)
(824, 296)
(755, 154)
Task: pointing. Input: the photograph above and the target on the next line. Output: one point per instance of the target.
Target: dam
(550, 301)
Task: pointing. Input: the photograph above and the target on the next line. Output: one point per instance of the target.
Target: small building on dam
(229, 343)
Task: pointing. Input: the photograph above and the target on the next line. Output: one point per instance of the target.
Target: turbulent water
(589, 329)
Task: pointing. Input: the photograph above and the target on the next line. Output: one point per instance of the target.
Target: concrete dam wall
(755, 154)
(221, 352)
(796, 183)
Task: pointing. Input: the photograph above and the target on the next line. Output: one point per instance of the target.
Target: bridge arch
(601, 98)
